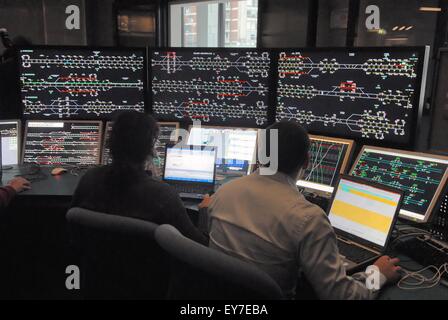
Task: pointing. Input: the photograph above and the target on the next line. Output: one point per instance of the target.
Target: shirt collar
(280, 177)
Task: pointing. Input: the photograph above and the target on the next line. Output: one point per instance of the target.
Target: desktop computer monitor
(421, 176)
(371, 94)
(329, 157)
(10, 135)
(167, 134)
(66, 143)
(80, 82)
(236, 147)
(224, 86)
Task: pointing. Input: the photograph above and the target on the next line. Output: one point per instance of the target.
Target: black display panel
(62, 142)
(221, 87)
(326, 159)
(422, 177)
(361, 93)
(81, 83)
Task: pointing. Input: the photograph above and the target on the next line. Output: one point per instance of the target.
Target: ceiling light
(430, 9)
(409, 28)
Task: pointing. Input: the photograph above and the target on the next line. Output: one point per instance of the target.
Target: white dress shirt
(266, 221)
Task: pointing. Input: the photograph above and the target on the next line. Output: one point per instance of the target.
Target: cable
(416, 280)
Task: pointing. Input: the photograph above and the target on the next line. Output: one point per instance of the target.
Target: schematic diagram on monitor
(418, 176)
(326, 160)
(370, 94)
(9, 133)
(211, 86)
(62, 142)
(67, 83)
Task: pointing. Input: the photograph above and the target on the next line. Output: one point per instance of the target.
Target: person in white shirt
(265, 220)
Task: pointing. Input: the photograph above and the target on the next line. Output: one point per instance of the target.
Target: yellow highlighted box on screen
(371, 197)
(361, 216)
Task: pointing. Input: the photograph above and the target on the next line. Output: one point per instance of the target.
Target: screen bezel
(18, 122)
(345, 163)
(271, 79)
(100, 133)
(406, 153)
(254, 158)
(190, 147)
(357, 239)
(418, 101)
(143, 50)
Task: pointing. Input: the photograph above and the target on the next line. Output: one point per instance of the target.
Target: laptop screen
(364, 211)
(190, 164)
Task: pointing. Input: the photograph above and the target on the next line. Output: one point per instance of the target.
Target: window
(218, 23)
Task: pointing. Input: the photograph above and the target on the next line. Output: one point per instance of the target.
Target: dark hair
(293, 145)
(132, 138)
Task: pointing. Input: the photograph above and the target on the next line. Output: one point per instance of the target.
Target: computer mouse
(58, 171)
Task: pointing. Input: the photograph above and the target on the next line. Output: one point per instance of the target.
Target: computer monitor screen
(215, 86)
(81, 83)
(190, 164)
(167, 134)
(328, 158)
(364, 211)
(62, 142)
(358, 93)
(421, 176)
(236, 147)
(9, 131)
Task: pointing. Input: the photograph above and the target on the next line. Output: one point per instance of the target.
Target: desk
(439, 292)
(48, 186)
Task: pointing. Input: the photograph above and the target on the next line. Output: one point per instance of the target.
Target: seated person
(265, 220)
(13, 187)
(125, 188)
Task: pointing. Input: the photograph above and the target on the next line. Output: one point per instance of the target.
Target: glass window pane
(332, 23)
(402, 23)
(229, 23)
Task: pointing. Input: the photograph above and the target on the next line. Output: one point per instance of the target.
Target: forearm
(6, 195)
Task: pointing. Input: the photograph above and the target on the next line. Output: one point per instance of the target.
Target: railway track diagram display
(215, 87)
(328, 158)
(421, 176)
(360, 94)
(62, 142)
(68, 83)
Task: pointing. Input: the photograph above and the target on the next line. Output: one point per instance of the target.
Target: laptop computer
(190, 169)
(363, 215)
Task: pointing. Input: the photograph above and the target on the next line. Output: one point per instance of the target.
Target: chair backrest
(119, 257)
(199, 272)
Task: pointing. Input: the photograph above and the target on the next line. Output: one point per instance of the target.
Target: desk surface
(439, 292)
(42, 182)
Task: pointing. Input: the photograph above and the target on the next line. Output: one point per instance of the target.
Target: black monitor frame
(271, 80)
(422, 66)
(144, 51)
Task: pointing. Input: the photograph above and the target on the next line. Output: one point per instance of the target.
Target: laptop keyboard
(354, 253)
(184, 190)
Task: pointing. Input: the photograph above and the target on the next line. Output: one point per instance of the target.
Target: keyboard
(191, 191)
(354, 253)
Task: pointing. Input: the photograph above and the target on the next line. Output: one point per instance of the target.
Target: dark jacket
(134, 193)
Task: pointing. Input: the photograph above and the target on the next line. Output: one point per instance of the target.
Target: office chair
(120, 258)
(199, 272)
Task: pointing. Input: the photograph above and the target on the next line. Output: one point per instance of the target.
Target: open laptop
(190, 170)
(363, 215)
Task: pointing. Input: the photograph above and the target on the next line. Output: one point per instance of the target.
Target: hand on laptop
(205, 202)
(19, 184)
(388, 267)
